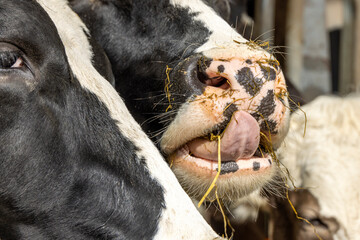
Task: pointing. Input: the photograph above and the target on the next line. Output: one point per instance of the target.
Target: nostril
(201, 76)
(217, 81)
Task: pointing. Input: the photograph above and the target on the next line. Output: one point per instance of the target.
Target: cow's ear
(15, 69)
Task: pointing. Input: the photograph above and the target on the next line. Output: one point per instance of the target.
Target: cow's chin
(237, 178)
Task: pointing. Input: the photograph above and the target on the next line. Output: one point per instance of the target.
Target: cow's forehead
(27, 26)
(222, 34)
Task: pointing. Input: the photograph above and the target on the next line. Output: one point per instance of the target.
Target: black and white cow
(73, 162)
(187, 76)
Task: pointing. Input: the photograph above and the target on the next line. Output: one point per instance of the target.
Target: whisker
(268, 31)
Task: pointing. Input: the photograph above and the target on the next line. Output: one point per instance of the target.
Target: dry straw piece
(226, 219)
(167, 87)
(212, 185)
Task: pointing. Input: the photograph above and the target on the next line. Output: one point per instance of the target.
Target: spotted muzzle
(238, 96)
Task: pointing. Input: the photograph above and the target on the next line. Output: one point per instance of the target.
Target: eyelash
(9, 59)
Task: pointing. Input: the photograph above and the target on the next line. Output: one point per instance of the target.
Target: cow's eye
(10, 60)
(317, 222)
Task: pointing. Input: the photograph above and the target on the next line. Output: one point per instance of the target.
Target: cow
(324, 165)
(74, 164)
(188, 77)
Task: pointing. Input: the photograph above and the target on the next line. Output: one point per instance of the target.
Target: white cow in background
(325, 164)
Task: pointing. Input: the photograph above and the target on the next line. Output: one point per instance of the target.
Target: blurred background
(315, 41)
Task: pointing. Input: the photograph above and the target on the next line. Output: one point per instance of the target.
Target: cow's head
(74, 164)
(187, 76)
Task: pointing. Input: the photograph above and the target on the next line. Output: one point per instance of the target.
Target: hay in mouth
(261, 159)
(243, 148)
(234, 178)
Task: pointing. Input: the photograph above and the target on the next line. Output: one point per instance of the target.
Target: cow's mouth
(240, 148)
(245, 156)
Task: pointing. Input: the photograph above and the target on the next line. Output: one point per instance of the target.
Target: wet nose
(246, 75)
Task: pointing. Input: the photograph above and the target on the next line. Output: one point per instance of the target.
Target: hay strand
(217, 175)
(225, 218)
(167, 87)
(301, 218)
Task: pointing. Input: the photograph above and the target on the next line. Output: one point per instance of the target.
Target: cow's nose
(247, 75)
(212, 74)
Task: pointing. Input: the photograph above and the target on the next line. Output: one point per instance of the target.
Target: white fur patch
(222, 34)
(180, 220)
(327, 159)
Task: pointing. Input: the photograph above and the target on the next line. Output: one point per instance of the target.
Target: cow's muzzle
(244, 102)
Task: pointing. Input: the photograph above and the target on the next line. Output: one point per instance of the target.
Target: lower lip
(253, 164)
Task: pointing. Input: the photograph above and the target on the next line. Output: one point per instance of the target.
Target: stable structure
(317, 39)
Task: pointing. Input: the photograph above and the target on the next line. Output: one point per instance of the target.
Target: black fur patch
(256, 166)
(269, 126)
(204, 63)
(228, 112)
(228, 167)
(221, 68)
(267, 104)
(265, 109)
(246, 78)
(269, 73)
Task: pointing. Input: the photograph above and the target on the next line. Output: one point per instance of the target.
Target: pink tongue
(240, 140)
